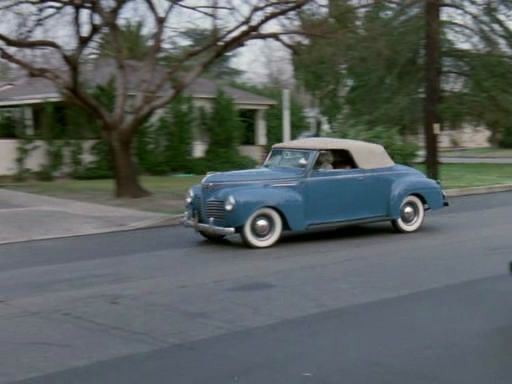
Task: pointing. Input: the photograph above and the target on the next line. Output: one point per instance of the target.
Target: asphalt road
(361, 305)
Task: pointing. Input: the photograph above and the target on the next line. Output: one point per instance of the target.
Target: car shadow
(351, 232)
(367, 231)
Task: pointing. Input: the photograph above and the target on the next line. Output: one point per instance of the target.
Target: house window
(11, 122)
(62, 121)
(248, 119)
(50, 120)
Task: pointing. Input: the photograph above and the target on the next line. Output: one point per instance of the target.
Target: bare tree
(69, 30)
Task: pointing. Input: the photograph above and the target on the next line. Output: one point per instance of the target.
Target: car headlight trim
(230, 203)
(189, 196)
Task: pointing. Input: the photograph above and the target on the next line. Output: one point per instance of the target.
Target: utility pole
(432, 86)
(287, 134)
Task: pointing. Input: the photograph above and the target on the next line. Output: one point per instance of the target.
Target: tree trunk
(493, 138)
(126, 179)
(432, 87)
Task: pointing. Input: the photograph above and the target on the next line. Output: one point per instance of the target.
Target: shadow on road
(369, 231)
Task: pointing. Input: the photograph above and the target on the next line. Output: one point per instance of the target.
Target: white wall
(256, 152)
(9, 152)
(465, 138)
(200, 143)
(253, 151)
(462, 138)
(199, 148)
(36, 158)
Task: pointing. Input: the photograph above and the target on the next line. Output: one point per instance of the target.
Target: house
(25, 101)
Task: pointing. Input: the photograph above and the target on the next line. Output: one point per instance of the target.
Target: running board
(346, 223)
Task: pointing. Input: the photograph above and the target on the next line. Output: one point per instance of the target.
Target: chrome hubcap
(262, 226)
(409, 214)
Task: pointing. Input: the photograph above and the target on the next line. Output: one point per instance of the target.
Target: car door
(334, 195)
(378, 188)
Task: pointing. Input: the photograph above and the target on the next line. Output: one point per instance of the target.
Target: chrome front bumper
(189, 221)
(445, 200)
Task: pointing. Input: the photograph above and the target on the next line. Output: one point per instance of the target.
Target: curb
(456, 192)
(155, 223)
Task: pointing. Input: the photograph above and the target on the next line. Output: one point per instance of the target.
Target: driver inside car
(324, 161)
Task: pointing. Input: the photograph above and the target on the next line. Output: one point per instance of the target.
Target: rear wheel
(262, 229)
(412, 214)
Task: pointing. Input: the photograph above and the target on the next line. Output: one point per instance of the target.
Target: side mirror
(303, 162)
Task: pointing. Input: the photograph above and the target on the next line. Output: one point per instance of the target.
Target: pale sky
(260, 58)
(257, 58)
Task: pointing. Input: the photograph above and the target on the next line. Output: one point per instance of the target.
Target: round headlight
(190, 196)
(230, 203)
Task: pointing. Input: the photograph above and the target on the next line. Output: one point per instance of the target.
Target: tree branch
(141, 111)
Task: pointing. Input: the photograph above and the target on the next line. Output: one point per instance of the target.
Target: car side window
(342, 159)
(324, 161)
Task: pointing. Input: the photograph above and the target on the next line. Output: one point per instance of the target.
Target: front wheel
(412, 214)
(262, 229)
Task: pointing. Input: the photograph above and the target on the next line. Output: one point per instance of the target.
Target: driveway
(25, 216)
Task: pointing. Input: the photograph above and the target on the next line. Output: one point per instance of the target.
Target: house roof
(207, 89)
(5, 85)
(30, 90)
(366, 155)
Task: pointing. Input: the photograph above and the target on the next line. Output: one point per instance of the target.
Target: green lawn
(473, 175)
(479, 152)
(169, 191)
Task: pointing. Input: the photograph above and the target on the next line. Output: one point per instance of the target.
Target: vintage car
(308, 184)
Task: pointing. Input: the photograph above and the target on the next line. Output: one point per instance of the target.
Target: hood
(254, 175)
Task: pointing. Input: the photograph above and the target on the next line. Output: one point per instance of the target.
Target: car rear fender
(427, 190)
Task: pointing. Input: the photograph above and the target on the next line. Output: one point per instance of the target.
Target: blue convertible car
(311, 183)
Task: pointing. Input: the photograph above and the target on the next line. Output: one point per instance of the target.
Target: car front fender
(286, 200)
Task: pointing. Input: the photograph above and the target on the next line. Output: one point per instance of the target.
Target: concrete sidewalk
(25, 216)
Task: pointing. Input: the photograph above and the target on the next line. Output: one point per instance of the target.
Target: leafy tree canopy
(365, 62)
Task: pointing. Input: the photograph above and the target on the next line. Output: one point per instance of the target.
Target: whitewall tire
(262, 229)
(412, 214)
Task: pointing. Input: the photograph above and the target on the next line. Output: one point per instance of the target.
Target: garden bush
(506, 137)
(224, 132)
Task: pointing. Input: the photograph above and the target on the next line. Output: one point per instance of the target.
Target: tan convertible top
(366, 155)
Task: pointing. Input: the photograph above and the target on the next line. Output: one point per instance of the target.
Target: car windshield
(288, 158)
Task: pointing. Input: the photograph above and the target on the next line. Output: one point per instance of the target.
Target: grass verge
(478, 153)
(473, 175)
(169, 191)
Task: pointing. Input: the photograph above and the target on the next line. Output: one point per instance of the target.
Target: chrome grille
(215, 209)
